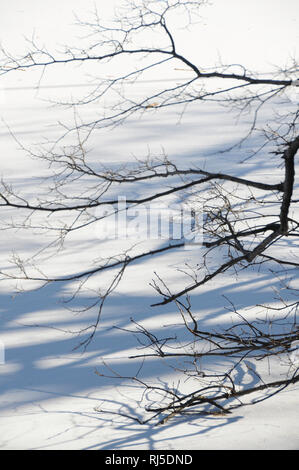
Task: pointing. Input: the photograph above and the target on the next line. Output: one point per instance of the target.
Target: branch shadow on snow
(41, 365)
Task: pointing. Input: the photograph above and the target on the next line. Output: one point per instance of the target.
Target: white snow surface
(48, 390)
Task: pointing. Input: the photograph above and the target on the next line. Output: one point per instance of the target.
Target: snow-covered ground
(48, 390)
